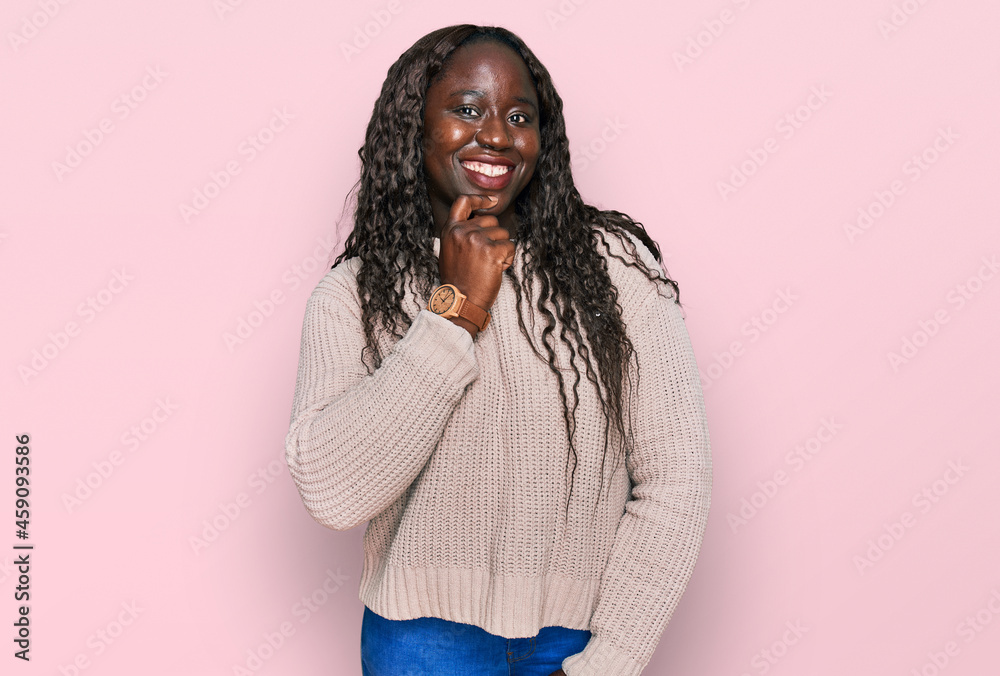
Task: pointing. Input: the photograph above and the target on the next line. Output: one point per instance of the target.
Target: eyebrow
(476, 92)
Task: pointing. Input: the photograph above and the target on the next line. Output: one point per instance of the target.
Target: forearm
(356, 440)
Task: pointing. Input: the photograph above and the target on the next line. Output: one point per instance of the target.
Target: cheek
(529, 147)
(530, 151)
(443, 139)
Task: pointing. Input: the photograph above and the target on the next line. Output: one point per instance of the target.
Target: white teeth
(487, 169)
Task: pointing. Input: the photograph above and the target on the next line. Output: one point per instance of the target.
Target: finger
(464, 205)
(508, 261)
(497, 233)
(505, 250)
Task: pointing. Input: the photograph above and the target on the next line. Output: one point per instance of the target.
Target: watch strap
(462, 307)
(475, 314)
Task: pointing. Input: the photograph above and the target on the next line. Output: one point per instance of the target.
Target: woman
(519, 521)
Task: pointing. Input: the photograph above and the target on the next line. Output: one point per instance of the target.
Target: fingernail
(494, 198)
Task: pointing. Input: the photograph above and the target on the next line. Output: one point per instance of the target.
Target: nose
(493, 133)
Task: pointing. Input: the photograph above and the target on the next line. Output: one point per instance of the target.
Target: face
(481, 131)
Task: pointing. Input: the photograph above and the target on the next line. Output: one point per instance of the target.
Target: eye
(525, 120)
(462, 108)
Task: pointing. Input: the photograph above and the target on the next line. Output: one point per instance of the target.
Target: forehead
(485, 63)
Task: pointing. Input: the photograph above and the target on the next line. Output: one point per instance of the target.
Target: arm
(659, 535)
(356, 440)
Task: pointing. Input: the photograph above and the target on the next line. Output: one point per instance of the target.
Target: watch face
(442, 300)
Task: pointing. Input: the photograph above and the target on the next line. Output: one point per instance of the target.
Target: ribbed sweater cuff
(600, 658)
(441, 345)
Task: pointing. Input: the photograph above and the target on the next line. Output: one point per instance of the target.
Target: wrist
(450, 302)
(469, 297)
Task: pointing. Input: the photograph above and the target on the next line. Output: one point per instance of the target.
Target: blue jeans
(430, 646)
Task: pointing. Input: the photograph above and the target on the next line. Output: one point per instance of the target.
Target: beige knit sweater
(454, 451)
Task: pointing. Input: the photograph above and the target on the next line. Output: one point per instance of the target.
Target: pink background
(870, 544)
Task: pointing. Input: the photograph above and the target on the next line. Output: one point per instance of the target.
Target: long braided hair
(394, 229)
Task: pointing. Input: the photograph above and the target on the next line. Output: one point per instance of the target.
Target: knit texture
(455, 453)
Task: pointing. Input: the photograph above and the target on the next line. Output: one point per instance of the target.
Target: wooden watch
(448, 301)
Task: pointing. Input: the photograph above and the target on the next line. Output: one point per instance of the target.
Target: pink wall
(841, 290)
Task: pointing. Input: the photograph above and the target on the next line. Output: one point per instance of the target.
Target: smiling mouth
(487, 169)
